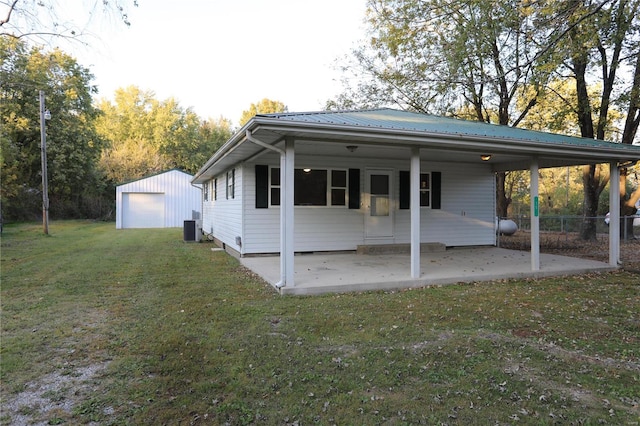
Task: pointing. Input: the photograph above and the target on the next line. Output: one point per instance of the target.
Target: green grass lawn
(139, 327)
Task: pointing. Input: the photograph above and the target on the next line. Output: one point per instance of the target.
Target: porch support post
(287, 220)
(614, 214)
(415, 212)
(283, 220)
(535, 216)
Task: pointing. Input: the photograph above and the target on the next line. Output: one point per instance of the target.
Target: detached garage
(164, 200)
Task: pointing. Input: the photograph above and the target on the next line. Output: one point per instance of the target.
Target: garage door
(142, 210)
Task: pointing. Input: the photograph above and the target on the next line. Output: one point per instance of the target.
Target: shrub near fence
(561, 235)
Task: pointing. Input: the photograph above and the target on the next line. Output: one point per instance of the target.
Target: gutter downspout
(250, 138)
(201, 198)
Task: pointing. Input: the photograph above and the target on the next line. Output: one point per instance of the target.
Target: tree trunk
(590, 207)
(628, 204)
(628, 208)
(502, 201)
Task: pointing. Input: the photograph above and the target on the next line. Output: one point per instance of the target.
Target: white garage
(164, 200)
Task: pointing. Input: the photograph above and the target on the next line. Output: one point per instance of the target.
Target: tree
(470, 59)
(213, 133)
(557, 113)
(265, 106)
(41, 20)
(147, 136)
(599, 41)
(73, 146)
(474, 58)
(192, 141)
(131, 151)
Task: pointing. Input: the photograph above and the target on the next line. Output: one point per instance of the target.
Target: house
(163, 200)
(342, 181)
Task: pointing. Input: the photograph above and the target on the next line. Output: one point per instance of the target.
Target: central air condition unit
(192, 230)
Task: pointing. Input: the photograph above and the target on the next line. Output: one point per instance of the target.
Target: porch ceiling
(499, 161)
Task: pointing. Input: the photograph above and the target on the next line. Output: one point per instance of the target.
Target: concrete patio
(348, 272)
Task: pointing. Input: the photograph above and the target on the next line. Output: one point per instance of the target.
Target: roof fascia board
(233, 143)
(221, 153)
(280, 125)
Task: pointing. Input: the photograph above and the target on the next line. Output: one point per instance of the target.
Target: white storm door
(379, 212)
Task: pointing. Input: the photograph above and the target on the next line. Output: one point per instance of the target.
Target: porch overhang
(510, 149)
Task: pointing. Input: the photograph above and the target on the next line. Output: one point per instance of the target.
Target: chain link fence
(571, 225)
(561, 234)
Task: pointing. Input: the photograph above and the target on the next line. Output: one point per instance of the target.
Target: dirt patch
(69, 378)
(52, 398)
(573, 391)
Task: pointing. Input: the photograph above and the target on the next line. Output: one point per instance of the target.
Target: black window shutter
(436, 184)
(405, 190)
(262, 187)
(354, 188)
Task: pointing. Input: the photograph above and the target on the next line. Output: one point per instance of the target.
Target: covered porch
(320, 273)
(414, 138)
(411, 141)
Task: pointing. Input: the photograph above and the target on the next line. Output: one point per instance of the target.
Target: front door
(379, 214)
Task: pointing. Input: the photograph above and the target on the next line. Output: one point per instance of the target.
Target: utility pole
(44, 115)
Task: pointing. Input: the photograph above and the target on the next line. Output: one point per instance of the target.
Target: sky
(220, 56)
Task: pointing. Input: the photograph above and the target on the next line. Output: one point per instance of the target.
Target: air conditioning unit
(192, 230)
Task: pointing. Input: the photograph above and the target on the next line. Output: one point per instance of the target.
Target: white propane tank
(507, 227)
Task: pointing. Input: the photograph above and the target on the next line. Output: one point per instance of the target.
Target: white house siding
(467, 214)
(316, 228)
(465, 219)
(222, 216)
(208, 210)
(181, 199)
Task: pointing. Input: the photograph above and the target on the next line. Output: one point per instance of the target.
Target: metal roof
(175, 169)
(411, 121)
(385, 132)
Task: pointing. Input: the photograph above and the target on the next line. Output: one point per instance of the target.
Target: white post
(614, 214)
(288, 206)
(415, 212)
(535, 217)
(43, 158)
(283, 220)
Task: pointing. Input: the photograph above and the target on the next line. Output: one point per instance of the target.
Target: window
(275, 187)
(338, 187)
(231, 184)
(310, 187)
(205, 191)
(430, 190)
(379, 189)
(425, 190)
(215, 189)
(313, 187)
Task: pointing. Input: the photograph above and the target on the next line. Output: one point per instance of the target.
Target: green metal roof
(392, 119)
(386, 133)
